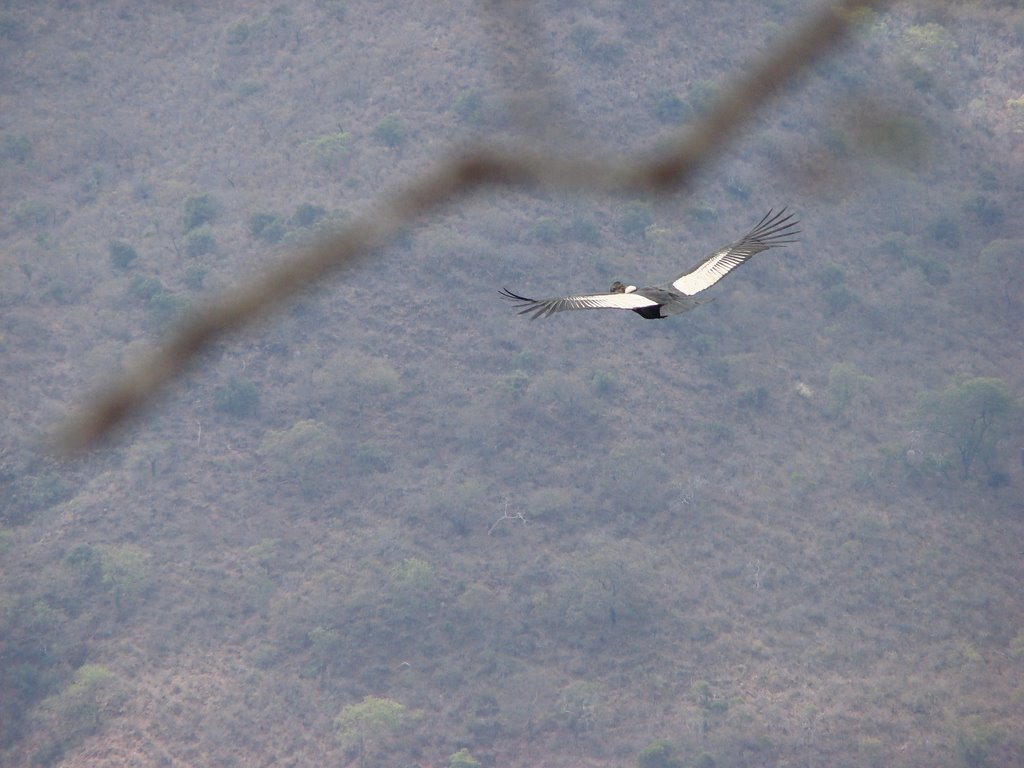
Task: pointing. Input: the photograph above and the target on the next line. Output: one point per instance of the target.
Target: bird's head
(618, 287)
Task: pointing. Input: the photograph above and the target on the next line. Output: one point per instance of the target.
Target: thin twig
(460, 176)
(506, 516)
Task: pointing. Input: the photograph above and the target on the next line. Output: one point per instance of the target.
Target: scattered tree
(125, 571)
(267, 227)
(121, 254)
(462, 759)
(305, 453)
(658, 754)
(390, 131)
(972, 414)
(239, 397)
(200, 210)
(331, 150)
(845, 382)
(80, 709)
(368, 725)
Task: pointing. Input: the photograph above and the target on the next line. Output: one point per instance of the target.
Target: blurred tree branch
(458, 177)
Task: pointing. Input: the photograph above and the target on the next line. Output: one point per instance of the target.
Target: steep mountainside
(397, 524)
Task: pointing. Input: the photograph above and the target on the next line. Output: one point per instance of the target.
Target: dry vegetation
(397, 522)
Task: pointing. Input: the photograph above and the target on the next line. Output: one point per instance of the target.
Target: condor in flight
(773, 231)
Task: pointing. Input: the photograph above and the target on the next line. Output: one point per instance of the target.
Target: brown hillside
(397, 521)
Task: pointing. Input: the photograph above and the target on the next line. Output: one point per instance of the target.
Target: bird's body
(773, 231)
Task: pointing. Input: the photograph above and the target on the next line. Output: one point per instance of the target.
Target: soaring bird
(773, 231)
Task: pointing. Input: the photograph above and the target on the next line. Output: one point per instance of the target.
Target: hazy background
(397, 521)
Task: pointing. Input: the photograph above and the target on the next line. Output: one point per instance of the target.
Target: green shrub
(588, 40)
(267, 227)
(755, 398)
(1016, 108)
(988, 180)
(306, 453)
(145, 287)
(471, 107)
(413, 579)
(658, 754)
(605, 383)
(49, 752)
(390, 131)
(248, 88)
(166, 308)
(237, 33)
(307, 214)
(935, 272)
(121, 254)
(976, 741)
(514, 384)
(583, 36)
(703, 344)
(583, 231)
(462, 759)
(80, 68)
(125, 572)
(373, 458)
(239, 397)
(82, 707)
(90, 184)
(989, 212)
(194, 276)
(336, 9)
(16, 148)
(34, 491)
(671, 108)
(34, 214)
(930, 41)
(86, 562)
(348, 379)
(909, 252)
(368, 724)
(845, 382)
(972, 415)
(331, 150)
(1016, 647)
(1000, 267)
(701, 96)
(607, 53)
(837, 298)
(635, 217)
(705, 697)
(200, 242)
(902, 140)
(831, 276)
(945, 230)
(545, 230)
(199, 210)
(325, 646)
(702, 211)
(11, 27)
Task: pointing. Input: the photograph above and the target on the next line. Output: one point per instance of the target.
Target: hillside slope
(397, 520)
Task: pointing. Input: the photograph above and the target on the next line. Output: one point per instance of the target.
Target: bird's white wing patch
(544, 307)
(608, 300)
(709, 272)
(773, 231)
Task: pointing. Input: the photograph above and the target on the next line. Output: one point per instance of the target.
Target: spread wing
(544, 307)
(773, 231)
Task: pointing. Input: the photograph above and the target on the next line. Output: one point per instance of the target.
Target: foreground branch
(462, 175)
